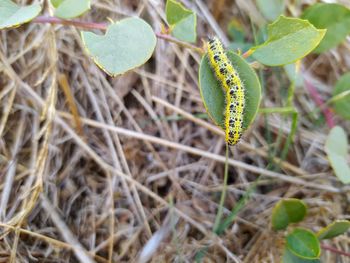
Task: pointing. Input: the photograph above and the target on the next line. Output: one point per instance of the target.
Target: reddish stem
(247, 53)
(76, 23)
(319, 102)
(103, 26)
(180, 43)
(334, 250)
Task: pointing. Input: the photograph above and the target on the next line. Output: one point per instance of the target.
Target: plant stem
(319, 102)
(223, 196)
(247, 53)
(334, 250)
(180, 43)
(103, 26)
(75, 23)
(280, 110)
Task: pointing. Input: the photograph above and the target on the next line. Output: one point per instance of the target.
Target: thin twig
(334, 250)
(75, 23)
(248, 53)
(319, 102)
(180, 43)
(103, 26)
(49, 240)
(218, 218)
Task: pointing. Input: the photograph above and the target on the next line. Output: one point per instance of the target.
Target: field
(131, 168)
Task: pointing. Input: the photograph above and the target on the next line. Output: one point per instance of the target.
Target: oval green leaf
(289, 39)
(303, 243)
(288, 211)
(182, 21)
(337, 228)
(335, 18)
(289, 257)
(71, 8)
(336, 148)
(213, 95)
(126, 45)
(341, 96)
(12, 15)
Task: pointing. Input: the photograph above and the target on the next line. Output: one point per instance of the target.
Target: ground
(139, 173)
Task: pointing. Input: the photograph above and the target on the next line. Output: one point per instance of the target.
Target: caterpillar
(233, 87)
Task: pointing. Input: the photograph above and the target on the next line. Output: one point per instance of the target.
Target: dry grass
(97, 169)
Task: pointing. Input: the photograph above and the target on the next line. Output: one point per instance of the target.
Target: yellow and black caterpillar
(234, 89)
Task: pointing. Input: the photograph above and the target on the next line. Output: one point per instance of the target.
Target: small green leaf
(335, 18)
(71, 8)
(271, 9)
(56, 3)
(126, 45)
(336, 148)
(288, 211)
(12, 15)
(337, 228)
(175, 12)
(303, 243)
(213, 95)
(185, 30)
(182, 21)
(289, 257)
(341, 96)
(289, 39)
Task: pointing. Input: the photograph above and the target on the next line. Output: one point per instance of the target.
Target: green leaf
(289, 257)
(175, 12)
(185, 30)
(303, 243)
(288, 211)
(213, 95)
(334, 229)
(336, 148)
(271, 9)
(335, 18)
(182, 21)
(126, 45)
(71, 8)
(341, 96)
(289, 39)
(12, 15)
(56, 3)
